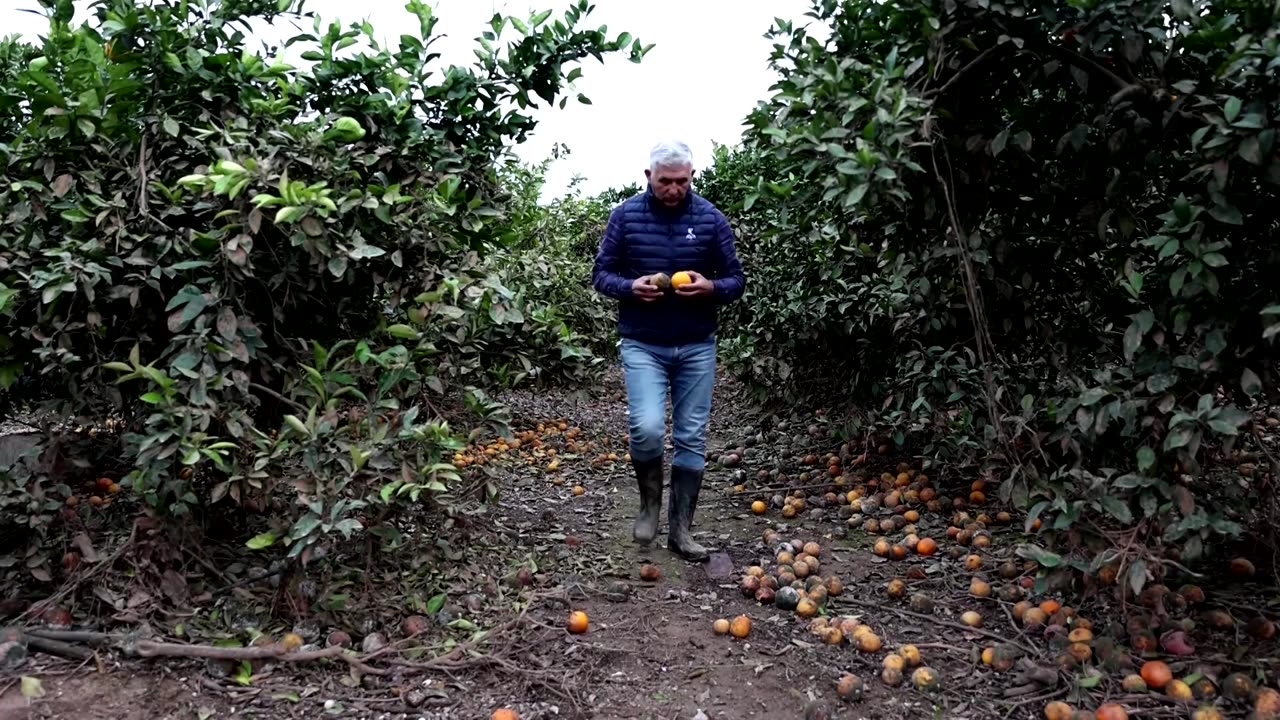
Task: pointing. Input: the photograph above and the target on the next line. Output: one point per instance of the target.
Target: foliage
(262, 267)
(552, 245)
(1043, 230)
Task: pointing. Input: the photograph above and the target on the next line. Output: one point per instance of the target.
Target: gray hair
(670, 153)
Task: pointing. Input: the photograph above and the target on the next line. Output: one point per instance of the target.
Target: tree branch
(967, 70)
(1124, 88)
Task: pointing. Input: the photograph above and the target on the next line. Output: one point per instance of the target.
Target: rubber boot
(685, 485)
(649, 478)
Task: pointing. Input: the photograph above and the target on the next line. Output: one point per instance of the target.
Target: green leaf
(402, 332)
(436, 603)
(1044, 557)
(1089, 681)
(999, 142)
(297, 425)
(1137, 575)
(1117, 509)
(1232, 108)
(1250, 383)
(1146, 459)
(258, 542)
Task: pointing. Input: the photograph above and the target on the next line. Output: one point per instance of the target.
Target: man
(668, 331)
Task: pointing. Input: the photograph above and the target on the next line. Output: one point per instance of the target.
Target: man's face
(670, 183)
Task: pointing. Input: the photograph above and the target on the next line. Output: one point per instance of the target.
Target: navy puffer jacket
(644, 237)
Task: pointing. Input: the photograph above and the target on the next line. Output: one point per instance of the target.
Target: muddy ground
(650, 652)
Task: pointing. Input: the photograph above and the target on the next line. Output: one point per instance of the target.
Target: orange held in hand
(681, 278)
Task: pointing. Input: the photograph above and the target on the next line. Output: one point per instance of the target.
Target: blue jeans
(689, 372)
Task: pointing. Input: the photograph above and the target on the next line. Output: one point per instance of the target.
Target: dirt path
(650, 653)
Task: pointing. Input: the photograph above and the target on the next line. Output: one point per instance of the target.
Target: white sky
(707, 70)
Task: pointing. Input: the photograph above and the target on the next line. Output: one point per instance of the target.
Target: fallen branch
(58, 648)
(275, 651)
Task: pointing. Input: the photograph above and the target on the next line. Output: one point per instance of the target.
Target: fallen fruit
(720, 627)
(1242, 568)
(505, 714)
(1207, 712)
(1134, 684)
(869, 642)
(650, 572)
(971, 618)
(578, 622)
(1156, 674)
(925, 679)
(740, 627)
(911, 654)
(413, 625)
(291, 641)
(926, 546)
(896, 588)
(758, 507)
(1266, 704)
(1111, 711)
(1179, 690)
(891, 677)
(1058, 710)
(1238, 686)
(849, 687)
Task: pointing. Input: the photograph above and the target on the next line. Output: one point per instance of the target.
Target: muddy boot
(649, 477)
(685, 485)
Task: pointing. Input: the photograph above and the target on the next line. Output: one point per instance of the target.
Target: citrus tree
(260, 271)
(1037, 236)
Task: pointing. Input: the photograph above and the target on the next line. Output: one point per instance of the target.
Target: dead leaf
(174, 586)
(138, 598)
(32, 687)
(85, 546)
(108, 596)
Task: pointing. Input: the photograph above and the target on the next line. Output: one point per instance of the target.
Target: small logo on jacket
(690, 236)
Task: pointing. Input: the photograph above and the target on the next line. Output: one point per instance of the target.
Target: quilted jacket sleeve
(730, 280)
(606, 276)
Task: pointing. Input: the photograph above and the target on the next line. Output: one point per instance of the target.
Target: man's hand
(644, 289)
(700, 286)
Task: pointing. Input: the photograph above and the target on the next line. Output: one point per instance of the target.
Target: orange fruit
(740, 627)
(758, 507)
(681, 278)
(578, 622)
(505, 714)
(1111, 711)
(578, 490)
(926, 546)
(1156, 674)
(1058, 710)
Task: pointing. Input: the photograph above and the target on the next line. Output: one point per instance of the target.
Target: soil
(649, 653)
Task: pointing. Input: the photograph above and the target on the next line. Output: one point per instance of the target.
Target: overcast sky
(707, 70)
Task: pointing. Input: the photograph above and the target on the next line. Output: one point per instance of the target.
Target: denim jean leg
(646, 378)
(693, 380)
